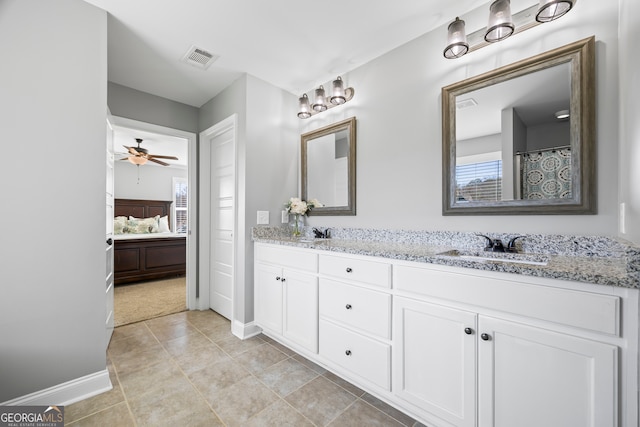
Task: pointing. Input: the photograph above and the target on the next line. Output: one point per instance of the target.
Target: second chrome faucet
(496, 245)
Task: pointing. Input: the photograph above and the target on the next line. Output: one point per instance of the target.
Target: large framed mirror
(521, 139)
(328, 163)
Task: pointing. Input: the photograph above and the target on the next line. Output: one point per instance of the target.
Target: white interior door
(222, 220)
(109, 234)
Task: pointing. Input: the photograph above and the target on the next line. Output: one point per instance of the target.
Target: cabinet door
(301, 309)
(435, 360)
(268, 297)
(534, 377)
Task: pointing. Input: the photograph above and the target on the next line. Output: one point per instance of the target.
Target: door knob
(109, 241)
(348, 306)
(348, 352)
(349, 270)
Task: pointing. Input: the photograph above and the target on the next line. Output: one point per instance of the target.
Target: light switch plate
(263, 217)
(284, 217)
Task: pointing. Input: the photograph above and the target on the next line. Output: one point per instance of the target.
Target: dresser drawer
(357, 307)
(285, 257)
(360, 270)
(365, 357)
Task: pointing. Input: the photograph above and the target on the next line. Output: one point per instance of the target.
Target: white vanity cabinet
(355, 317)
(454, 350)
(286, 294)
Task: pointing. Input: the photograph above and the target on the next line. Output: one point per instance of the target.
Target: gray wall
(144, 107)
(52, 268)
(398, 107)
(156, 182)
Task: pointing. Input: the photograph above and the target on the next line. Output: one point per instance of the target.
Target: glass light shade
(562, 114)
(500, 24)
(456, 41)
(137, 160)
(338, 97)
(304, 113)
(548, 10)
(319, 103)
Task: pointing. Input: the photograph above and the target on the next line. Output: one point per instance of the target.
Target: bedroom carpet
(147, 300)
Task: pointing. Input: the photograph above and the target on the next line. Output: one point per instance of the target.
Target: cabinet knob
(283, 279)
(348, 306)
(485, 337)
(278, 278)
(349, 270)
(468, 331)
(348, 352)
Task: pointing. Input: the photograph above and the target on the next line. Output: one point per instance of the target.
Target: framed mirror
(521, 139)
(328, 163)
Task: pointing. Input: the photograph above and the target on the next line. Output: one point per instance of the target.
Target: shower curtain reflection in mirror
(545, 174)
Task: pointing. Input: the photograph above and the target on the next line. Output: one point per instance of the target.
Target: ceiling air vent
(199, 58)
(465, 103)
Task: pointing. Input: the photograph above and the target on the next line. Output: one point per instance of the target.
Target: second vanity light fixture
(321, 102)
(502, 24)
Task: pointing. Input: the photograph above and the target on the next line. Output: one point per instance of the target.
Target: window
(479, 181)
(180, 204)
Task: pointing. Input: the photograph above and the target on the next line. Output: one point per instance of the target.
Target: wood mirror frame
(348, 126)
(581, 57)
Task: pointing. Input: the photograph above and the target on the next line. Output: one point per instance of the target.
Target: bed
(153, 254)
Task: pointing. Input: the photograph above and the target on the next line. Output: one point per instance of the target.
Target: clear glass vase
(297, 223)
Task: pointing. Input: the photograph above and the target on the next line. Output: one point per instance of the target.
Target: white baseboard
(245, 330)
(66, 393)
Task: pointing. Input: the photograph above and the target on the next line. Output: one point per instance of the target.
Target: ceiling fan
(139, 156)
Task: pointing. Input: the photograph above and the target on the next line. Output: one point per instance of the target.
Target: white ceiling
(293, 44)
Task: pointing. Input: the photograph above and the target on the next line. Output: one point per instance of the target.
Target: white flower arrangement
(299, 207)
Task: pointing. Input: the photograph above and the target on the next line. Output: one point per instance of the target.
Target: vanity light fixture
(321, 102)
(502, 24)
(548, 10)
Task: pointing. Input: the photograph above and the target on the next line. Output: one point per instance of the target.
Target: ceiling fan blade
(132, 150)
(151, 159)
(163, 157)
(124, 158)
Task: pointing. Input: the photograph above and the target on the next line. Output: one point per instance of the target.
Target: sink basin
(504, 257)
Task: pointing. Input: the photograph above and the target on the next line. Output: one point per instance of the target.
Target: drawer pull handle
(349, 270)
(348, 306)
(348, 352)
(485, 337)
(468, 331)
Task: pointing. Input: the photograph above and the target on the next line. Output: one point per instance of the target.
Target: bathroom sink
(504, 257)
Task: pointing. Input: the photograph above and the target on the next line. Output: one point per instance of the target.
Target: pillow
(163, 225)
(142, 225)
(119, 224)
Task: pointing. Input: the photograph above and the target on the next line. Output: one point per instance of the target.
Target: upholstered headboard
(142, 208)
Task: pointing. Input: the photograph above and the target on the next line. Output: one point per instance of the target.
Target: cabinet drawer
(285, 257)
(357, 307)
(365, 271)
(587, 310)
(365, 357)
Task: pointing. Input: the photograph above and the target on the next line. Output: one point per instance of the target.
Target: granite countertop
(613, 263)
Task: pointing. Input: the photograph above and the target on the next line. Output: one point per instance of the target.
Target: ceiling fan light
(304, 107)
(549, 10)
(457, 44)
(319, 104)
(500, 24)
(562, 114)
(137, 160)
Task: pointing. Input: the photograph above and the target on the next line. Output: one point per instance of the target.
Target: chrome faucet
(496, 245)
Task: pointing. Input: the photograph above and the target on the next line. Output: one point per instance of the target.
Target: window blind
(479, 181)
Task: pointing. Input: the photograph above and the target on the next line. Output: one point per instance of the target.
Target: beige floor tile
(278, 414)
(161, 376)
(135, 360)
(261, 357)
(170, 331)
(94, 404)
(362, 414)
(287, 376)
(206, 319)
(186, 344)
(201, 358)
(241, 401)
(213, 378)
(389, 410)
(128, 331)
(309, 364)
(276, 344)
(320, 400)
(218, 333)
(234, 346)
(344, 384)
(139, 341)
(117, 415)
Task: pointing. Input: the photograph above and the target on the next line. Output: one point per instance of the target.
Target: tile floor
(188, 369)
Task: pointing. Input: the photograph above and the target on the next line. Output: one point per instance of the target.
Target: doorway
(159, 182)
